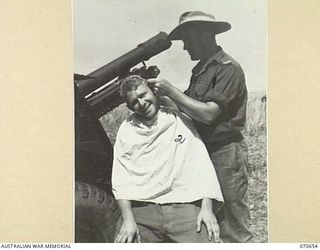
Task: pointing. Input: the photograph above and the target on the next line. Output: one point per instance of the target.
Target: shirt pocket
(203, 85)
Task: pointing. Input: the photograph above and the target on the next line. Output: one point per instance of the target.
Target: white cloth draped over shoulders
(164, 163)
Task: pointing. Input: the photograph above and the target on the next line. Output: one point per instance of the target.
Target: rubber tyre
(96, 214)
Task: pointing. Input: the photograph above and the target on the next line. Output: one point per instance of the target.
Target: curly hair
(131, 83)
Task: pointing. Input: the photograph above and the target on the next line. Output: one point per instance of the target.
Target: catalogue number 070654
(308, 245)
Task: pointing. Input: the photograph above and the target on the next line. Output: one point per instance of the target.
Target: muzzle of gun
(101, 93)
(124, 63)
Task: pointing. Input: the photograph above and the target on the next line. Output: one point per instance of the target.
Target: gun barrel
(106, 73)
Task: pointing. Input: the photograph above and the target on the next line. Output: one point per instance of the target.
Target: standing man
(216, 100)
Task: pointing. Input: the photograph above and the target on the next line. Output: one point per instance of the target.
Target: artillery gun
(96, 212)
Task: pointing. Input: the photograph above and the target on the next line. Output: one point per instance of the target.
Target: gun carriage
(97, 93)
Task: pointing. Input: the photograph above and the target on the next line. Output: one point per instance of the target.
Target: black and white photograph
(170, 121)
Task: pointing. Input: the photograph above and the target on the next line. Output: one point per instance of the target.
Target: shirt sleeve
(228, 87)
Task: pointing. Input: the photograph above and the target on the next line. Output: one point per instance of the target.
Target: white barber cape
(164, 163)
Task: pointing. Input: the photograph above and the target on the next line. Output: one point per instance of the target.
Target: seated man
(162, 174)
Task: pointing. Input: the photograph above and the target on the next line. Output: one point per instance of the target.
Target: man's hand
(207, 217)
(160, 87)
(129, 232)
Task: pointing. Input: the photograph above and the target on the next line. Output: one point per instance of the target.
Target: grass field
(255, 133)
(256, 136)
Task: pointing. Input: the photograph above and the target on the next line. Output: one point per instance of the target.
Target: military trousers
(168, 223)
(230, 163)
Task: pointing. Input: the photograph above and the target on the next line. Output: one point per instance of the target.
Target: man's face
(196, 43)
(192, 45)
(143, 102)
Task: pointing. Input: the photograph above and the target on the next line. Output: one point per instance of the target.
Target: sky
(106, 29)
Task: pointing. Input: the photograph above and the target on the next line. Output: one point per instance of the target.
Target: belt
(144, 203)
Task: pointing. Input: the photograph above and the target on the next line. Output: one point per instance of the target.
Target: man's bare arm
(207, 217)
(129, 231)
(205, 112)
(167, 102)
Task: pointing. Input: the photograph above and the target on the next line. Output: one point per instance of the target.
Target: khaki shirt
(221, 80)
